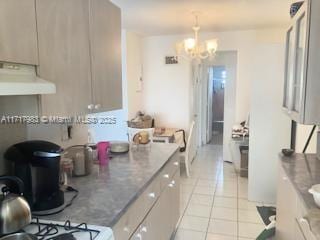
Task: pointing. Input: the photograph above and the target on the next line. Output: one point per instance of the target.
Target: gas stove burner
(64, 236)
(44, 230)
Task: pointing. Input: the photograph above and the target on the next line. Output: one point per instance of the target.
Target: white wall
(166, 87)
(134, 69)
(163, 83)
(10, 134)
(269, 126)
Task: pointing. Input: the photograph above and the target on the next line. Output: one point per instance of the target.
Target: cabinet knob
(152, 195)
(90, 106)
(172, 183)
(97, 106)
(166, 175)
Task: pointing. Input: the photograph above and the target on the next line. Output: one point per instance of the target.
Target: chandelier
(191, 48)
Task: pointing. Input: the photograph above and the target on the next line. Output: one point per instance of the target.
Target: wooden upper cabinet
(64, 55)
(18, 34)
(105, 37)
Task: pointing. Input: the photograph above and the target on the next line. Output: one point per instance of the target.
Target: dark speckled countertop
(105, 195)
(303, 170)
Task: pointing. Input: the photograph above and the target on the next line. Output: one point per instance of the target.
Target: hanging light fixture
(191, 48)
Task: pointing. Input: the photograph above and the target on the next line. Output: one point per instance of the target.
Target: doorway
(218, 100)
(217, 80)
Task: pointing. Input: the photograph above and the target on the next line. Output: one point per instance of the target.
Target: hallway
(214, 201)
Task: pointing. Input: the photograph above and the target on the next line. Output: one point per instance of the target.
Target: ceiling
(159, 17)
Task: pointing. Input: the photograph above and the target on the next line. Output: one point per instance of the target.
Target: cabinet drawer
(130, 221)
(151, 194)
(169, 171)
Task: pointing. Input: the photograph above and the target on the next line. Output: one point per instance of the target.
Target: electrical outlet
(64, 132)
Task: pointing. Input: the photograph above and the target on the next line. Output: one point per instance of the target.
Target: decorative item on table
(159, 130)
(294, 8)
(141, 137)
(141, 121)
(239, 131)
(103, 152)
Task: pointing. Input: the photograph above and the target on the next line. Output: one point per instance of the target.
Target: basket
(140, 124)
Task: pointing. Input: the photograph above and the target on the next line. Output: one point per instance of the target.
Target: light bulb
(212, 45)
(189, 44)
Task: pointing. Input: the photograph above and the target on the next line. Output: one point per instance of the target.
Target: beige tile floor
(214, 204)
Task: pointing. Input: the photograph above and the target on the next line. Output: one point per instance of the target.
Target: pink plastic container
(103, 149)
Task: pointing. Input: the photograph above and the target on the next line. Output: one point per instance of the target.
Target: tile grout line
(214, 195)
(188, 202)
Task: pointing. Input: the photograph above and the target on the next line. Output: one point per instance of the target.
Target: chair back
(189, 142)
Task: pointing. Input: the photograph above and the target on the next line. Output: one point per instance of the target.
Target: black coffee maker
(37, 164)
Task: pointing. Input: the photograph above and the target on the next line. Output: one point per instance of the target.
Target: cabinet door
(286, 208)
(105, 37)
(300, 63)
(64, 55)
(175, 201)
(158, 223)
(289, 69)
(18, 34)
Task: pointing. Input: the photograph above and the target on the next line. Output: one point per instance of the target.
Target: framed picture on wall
(171, 60)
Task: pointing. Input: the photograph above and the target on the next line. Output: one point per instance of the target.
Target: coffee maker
(37, 164)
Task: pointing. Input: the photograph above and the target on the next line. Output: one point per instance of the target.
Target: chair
(133, 131)
(186, 155)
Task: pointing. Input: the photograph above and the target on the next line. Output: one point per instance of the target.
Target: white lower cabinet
(291, 224)
(160, 218)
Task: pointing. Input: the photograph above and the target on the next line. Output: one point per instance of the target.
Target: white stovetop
(105, 232)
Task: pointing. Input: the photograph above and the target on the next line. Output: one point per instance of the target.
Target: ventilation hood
(19, 79)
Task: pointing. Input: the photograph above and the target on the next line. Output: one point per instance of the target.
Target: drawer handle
(176, 163)
(152, 195)
(166, 176)
(97, 106)
(172, 184)
(90, 106)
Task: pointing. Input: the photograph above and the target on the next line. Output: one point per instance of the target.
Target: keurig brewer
(37, 164)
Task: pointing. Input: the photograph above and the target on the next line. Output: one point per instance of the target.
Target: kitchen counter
(106, 194)
(303, 170)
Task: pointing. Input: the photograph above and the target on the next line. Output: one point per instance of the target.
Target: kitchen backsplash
(54, 133)
(10, 134)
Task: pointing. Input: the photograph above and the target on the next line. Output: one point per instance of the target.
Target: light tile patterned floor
(214, 204)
